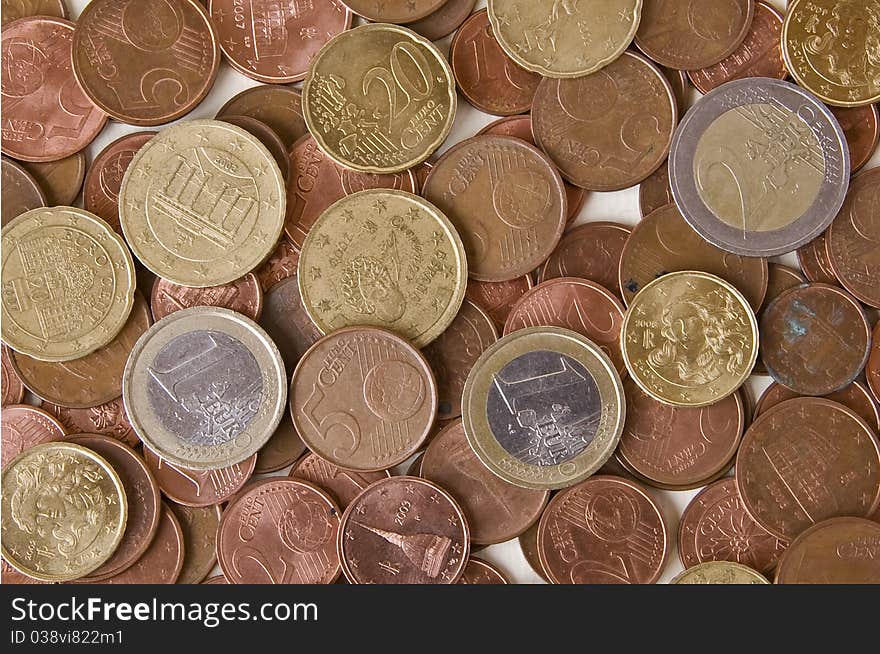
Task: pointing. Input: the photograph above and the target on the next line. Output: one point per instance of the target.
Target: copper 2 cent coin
(403, 530)
(861, 125)
(341, 484)
(20, 191)
(590, 251)
(604, 530)
(872, 369)
(478, 571)
(108, 419)
(498, 298)
(287, 322)
(24, 426)
(806, 460)
(284, 448)
(244, 295)
(654, 191)
(11, 387)
(279, 107)
(279, 531)
(836, 551)
(855, 397)
(61, 180)
(199, 526)
(814, 261)
(199, 487)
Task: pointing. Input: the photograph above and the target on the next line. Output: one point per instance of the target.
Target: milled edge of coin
(681, 577)
(236, 318)
(687, 136)
(316, 131)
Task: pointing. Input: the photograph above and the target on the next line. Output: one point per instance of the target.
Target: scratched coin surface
(691, 34)
(145, 62)
(383, 258)
(199, 487)
(279, 531)
(496, 510)
(108, 419)
(609, 130)
(815, 339)
(830, 49)
(564, 39)
(287, 322)
(12, 387)
(379, 98)
(605, 530)
(814, 261)
(199, 527)
(403, 530)
(506, 200)
(719, 572)
(86, 520)
(654, 191)
(341, 484)
(861, 125)
(759, 167)
(478, 571)
(543, 408)
(689, 339)
(363, 398)
(20, 191)
(279, 107)
(780, 278)
(498, 298)
(806, 460)
(716, 527)
(590, 251)
(243, 295)
(205, 388)
(68, 283)
(24, 426)
(15, 9)
(394, 11)
(855, 397)
(835, 551)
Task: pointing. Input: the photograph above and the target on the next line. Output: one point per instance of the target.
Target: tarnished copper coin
(90, 380)
(663, 242)
(496, 510)
(15, 9)
(506, 200)
(862, 128)
(144, 502)
(143, 62)
(265, 135)
(281, 265)
(478, 571)
(279, 531)
(10, 383)
(609, 130)
(107, 419)
(815, 339)
(454, 352)
(716, 527)
(806, 460)
(403, 530)
(654, 191)
(341, 484)
(104, 179)
(836, 551)
(23, 427)
(199, 527)
(855, 397)
(498, 298)
(46, 115)
(287, 322)
(590, 251)
(363, 398)
(199, 487)
(244, 295)
(444, 21)
(274, 42)
(61, 180)
(284, 448)
(279, 107)
(872, 369)
(20, 191)
(780, 278)
(605, 530)
(814, 261)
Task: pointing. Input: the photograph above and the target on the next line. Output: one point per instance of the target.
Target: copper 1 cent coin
(836, 551)
(403, 530)
(244, 295)
(90, 380)
(316, 182)
(679, 447)
(394, 11)
(144, 502)
(281, 265)
(496, 510)
(20, 191)
(104, 178)
(806, 460)
(716, 527)
(24, 426)
(478, 571)
(814, 261)
(590, 251)
(279, 531)
(506, 200)
(855, 397)
(265, 135)
(287, 322)
(279, 107)
(454, 352)
(341, 484)
(46, 114)
(853, 240)
(282, 449)
(759, 54)
(61, 180)
(199, 527)
(654, 191)
(872, 369)
(11, 387)
(576, 304)
(143, 62)
(663, 242)
(274, 43)
(444, 21)
(609, 130)
(15, 9)
(780, 278)
(108, 419)
(497, 298)
(199, 487)
(486, 76)
(815, 339)
(689, 35)
(861, 125)
(604, 530)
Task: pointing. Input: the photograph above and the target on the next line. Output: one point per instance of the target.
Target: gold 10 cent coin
(689, 339)
(202, 203)
(64, 511)
(379, 98)
(543, 408)
(383, 258)
(68, 283)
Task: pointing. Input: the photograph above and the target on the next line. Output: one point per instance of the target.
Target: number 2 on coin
(397, 79)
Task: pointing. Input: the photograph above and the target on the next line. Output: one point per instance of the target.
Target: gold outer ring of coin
(98, 231)
(713, 572)
(117, 485)
(149, 428)
(634, 307)
(425, 152)
(479, 433)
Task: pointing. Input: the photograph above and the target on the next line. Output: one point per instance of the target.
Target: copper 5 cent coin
(24, 426)
(279, 107)
(855, 397)
(363, 398)
(279, 531)
(836, 551)
(498, 298)
(806, 460)
(199, 487)
(591, 251)
(20, 191)
(341, 484)
(403, 530)
(108, 419)
(287, 322)
(605, 530)
(244, 295)
(10, 383)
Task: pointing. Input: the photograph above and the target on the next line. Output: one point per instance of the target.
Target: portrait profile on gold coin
(846, 47)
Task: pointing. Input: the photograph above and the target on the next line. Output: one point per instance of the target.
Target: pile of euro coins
(384, 307)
